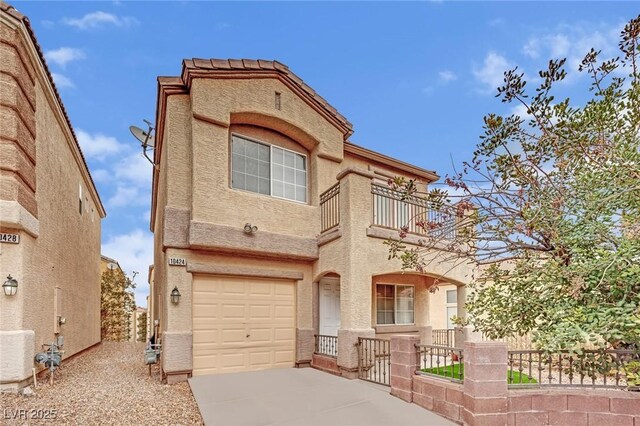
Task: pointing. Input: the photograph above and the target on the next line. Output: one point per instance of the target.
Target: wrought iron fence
(443, 337)
(590, 368)
(391, 209)
(515, 343)
(326, 345)
(330, 208)
(441, 361)
(374, 360)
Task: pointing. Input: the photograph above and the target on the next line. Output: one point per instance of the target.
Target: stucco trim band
(349, 170)
(210, 120)
(385, 234)
(13, 215)
(243, 271)
(329, 236)
(209, 236)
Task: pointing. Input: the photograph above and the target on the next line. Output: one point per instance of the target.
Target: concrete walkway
(302, 396)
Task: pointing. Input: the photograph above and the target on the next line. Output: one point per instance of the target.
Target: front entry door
(329, 306)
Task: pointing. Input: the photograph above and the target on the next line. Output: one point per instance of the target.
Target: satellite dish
(147, 140)
(145, 137)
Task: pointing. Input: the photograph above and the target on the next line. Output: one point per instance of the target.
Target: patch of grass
(456, 371)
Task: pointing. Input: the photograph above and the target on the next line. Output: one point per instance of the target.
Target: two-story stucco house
(270, 225)
(50, 214)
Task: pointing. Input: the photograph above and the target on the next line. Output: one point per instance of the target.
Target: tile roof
(10, 10)
(266, 65)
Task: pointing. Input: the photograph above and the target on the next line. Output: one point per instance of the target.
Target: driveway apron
(302, 396)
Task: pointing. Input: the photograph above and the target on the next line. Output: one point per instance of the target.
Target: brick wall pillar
(404, 363)
(485, 383)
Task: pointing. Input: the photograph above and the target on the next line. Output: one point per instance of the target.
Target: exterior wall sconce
(175, 295)
(10, 286)
(249, 229)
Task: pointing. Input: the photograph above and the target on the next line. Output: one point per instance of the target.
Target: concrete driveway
(302, 396)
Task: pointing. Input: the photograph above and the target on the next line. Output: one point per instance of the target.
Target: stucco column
(466, 333)
(177, 339)
(355, 283)
(422, 317)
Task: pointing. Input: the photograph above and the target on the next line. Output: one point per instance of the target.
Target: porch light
(10, 286)
(175, 295)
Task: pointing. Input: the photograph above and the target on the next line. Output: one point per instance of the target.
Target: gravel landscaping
(107, 385)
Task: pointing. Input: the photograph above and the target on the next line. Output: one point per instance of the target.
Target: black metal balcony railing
(330, 208)
(443, 337)
(393, 210)
(326, 345)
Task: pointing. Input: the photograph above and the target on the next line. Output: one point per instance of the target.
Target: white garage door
(242, 324)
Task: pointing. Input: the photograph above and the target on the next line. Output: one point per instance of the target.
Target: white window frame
(395, 316)
(449, 305)
(271, 146)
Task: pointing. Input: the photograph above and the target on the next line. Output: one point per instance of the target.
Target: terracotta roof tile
(261, 64)
(266, 65)
(251, 64)
(202, 63)
(236, 64)
(220, 63)
(7, 8)
(280, 66)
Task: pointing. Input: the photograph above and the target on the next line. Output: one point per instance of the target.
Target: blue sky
(415, 79)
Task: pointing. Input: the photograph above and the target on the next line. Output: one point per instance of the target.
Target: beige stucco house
(271, 225)
(50, 213)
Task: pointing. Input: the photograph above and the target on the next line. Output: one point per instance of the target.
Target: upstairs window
(269, 170)
(80, 199)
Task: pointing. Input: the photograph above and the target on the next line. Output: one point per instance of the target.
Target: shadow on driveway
(302, 396)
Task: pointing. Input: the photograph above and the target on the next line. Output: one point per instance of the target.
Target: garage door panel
(283, 312)
(242, 324)
(259, 289)
(232, 288)
(232, 336)
(260, 312)
(206, 336)
(260, 335)
(233, 311)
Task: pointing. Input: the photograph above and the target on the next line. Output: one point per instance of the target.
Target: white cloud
(447, 76)
(127, 195)
(496, 22)
(99, 18)
(134, 252)
(521, 111)
(573, 42)
(98, 146)
(61, 81)
(135, 169)
(491, 74)
(532, 48)
(101, 175)
(63, 55)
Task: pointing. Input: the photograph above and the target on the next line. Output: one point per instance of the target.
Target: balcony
(393, 210)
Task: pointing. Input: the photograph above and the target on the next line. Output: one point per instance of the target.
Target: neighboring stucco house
(270, 224)
(50, 213)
